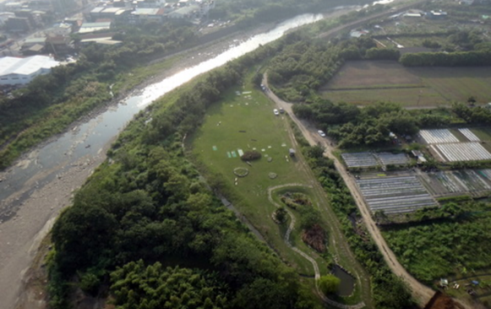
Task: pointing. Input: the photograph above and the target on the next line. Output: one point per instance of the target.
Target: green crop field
(242, 123)
(366, 82)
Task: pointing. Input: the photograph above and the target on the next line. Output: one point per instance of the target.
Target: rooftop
(25, 66)
(92, 27)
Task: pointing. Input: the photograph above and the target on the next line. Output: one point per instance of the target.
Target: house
(21, 71)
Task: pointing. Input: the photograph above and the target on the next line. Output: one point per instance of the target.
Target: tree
(329, 284)
(281, 214)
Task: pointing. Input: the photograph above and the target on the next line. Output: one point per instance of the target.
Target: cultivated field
(365, 82)
(368, 159)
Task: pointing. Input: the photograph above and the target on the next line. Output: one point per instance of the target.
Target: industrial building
(21, 71)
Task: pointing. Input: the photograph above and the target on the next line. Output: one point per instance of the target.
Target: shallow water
(347, 285)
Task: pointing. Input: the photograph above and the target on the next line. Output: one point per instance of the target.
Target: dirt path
(421, 293)
(305, 255)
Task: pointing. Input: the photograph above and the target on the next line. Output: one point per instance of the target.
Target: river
(38, 187)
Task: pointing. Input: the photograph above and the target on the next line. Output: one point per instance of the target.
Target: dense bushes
(449, 247)
(251, 155)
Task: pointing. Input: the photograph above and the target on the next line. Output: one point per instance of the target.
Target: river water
(89, 138)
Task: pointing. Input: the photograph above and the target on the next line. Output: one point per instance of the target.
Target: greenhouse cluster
(462, 152)
(395, 194)
(359, 159)
(438, 136)
(469, 135)
(368, 159)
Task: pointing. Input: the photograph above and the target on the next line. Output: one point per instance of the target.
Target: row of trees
(470, 58)
(369, 126)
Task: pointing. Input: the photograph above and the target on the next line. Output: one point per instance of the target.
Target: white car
(321, 133)
(276, 112)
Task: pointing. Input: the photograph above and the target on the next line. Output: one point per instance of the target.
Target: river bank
(36, 200)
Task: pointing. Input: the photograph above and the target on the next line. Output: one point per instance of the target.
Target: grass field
(366, 82)
(247, 122)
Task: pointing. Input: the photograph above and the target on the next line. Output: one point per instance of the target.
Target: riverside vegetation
(148, 203)
(50, 103)
(146, 210)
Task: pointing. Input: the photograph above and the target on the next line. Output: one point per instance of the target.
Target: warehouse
(21, 71)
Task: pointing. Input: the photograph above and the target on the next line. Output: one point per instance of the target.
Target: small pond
(347, 284)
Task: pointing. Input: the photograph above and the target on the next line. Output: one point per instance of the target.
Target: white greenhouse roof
(25, 66)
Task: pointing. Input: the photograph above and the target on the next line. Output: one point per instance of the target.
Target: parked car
(282, 111)
(321, 133)
(276, 112)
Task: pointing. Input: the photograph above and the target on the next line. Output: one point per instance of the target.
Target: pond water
(347, 285)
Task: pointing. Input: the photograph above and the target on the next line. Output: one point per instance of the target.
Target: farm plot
(387, 158)
(395, 194)
(438, 136)
(459, 182)
(367, 82)
(359, 159)
(469, 135)
(463, 152)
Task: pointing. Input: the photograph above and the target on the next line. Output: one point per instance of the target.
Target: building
(33, 46)
(94, 27)
(146, 15)
(21, 71)
(4, 16)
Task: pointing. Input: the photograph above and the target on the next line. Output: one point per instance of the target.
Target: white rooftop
(25, 66)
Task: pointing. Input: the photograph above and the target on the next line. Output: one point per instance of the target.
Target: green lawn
(247, 122)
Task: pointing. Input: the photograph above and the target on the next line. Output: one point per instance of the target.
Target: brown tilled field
(365, 82)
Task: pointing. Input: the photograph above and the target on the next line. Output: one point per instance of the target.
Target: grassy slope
(262, 130)
(254, 115)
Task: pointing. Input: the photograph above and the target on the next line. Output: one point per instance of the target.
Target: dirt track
(420, 292)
